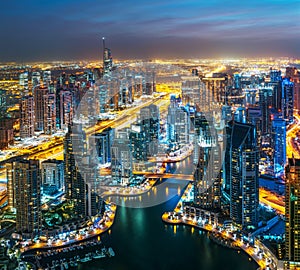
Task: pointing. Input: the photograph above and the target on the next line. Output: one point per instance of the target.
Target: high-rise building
(279, 144)
(292, 214)
(23, 82)
(150, 123)
(121, 159)
(64, 108)
(294, 75)
(75, 148)
(24, 195)
(244, 183)
(287, 104)
(207, 175)
(190, 90)
(46, 78)
(276, 84)
(138, 142)
(49, 121)
(265, 104)
(6, 132)
(35, 79)
(53, 176)
(107, 59)
(27, 118)
(103, 142)
(39, 93)
(178, 124)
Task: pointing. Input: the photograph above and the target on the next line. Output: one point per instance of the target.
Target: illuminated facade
(292, 214)
(244, 183)
(207, 176)
(52, 176)
(27, 117)
(279, 144)
(24, 189)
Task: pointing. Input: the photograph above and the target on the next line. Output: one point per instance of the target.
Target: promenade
(258, 252)
(93, 230)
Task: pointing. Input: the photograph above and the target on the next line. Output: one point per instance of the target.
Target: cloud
(71, 29)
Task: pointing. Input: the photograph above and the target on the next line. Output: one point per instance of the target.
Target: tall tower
(27, 117)
(76, 188)
(39, 93)
(292, 214)
(244, 184)
(49, 119)
(24, 189)
(107, 58)
(207, 176)
(279, 144)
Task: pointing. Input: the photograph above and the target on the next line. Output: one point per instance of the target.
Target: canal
(141, 240)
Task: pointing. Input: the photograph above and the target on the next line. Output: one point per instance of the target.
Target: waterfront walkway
(258, 252)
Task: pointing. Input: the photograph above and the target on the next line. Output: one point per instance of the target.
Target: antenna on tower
(103, 41)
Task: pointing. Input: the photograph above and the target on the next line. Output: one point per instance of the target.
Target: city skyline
(67, 30)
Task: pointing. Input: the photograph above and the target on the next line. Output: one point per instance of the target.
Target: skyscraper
(107, 59)
(244, 184)
(279, 144)
(64, 108)
(103, 142)
(39, 93)
(27, 117)
(76, 189)
(207, 176)
(149, 121)
(121, 159)
(178, 124)
(292, 214)
(24, 191)
(265, 104)
(23, 82)
(287, 104)
(53, 176)
(49, 120)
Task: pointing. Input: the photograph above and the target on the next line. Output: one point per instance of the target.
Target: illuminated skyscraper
(64, 108)
(49, 121)
(24, 192)
(103, 142)
(265, 104)
(294, 75)
(23, 82)
(279, 144)
(27, 117)
(53, 176)
(292, 214)
(39, 93)
(190, 90)
(121, 159)
(35, 80)
(207, 176)
(287, 104)
(107, 59)
(46, 78)
(244, 184)
(178, 124)
(76, 188)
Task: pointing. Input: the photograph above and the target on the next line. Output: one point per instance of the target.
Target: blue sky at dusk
(53, 30)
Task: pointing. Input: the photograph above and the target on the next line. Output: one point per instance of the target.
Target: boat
(87, 258)
(111, 253)
(99, 255)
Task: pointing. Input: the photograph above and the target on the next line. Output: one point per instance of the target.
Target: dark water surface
(141, 240)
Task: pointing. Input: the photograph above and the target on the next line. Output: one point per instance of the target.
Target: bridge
(186, 177)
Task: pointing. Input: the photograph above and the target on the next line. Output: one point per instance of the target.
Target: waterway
(141, 240)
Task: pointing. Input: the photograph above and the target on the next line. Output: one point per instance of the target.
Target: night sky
(66, 30)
